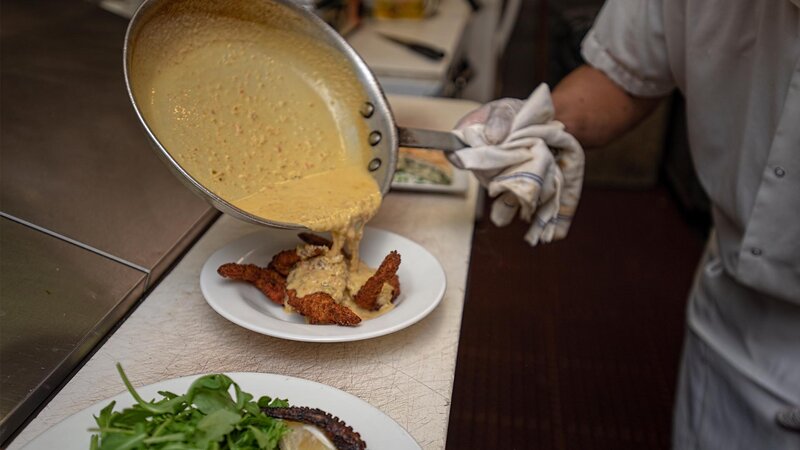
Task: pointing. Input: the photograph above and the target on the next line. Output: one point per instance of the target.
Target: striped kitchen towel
(536, 169)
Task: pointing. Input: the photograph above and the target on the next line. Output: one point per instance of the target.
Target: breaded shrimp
(315, 239)
(284, 261)
(394, 282)
(271, 283)
(320, 308)
(367, 296)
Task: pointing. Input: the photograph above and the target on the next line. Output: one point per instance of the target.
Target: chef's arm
(596, 110)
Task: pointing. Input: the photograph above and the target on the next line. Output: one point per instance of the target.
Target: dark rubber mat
(575, 344)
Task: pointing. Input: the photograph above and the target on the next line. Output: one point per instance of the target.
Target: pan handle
(429, 139)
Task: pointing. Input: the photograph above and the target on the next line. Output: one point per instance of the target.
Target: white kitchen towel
(536, 170)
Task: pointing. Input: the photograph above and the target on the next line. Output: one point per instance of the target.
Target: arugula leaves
(206, 417)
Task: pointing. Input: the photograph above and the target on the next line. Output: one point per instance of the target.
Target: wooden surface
(408, 374)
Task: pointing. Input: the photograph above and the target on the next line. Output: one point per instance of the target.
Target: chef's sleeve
(628, 44)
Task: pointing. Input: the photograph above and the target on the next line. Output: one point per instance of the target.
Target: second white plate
(377, 429)
(422, 285)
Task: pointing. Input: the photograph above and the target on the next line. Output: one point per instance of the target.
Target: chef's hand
(526, 161)
(497, 116)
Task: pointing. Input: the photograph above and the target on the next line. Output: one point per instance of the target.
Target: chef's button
(789, 419)
(755, 251)
(779, 172)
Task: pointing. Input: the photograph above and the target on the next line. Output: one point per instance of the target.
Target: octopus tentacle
(342, 435)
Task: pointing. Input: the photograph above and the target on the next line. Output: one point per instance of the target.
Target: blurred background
(589, 357)
(571, 345)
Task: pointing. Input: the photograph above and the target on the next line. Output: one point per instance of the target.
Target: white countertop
(408, 374)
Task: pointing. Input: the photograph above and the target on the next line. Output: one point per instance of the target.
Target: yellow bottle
(402, 9)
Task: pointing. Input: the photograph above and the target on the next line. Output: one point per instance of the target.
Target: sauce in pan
(267, 119)
(278, 140)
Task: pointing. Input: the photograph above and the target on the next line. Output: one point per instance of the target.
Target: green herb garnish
(206, 417)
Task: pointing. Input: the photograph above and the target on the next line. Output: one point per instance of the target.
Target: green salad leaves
(206, 417)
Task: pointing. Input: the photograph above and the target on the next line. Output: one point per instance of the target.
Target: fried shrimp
(315, 239)
(367, 296)
(284, 261)
(320, 308)
(394, 282)
(268, 281)
(324, 285)
(342, 435)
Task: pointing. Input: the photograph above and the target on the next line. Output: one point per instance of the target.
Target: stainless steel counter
(90, 216)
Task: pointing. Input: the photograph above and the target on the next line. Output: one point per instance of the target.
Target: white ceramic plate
(377, 429)
(422, 284)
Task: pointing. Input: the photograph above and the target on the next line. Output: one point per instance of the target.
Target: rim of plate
(241, 378)
(342, 334)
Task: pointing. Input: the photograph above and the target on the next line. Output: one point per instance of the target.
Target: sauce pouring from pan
(266, 112)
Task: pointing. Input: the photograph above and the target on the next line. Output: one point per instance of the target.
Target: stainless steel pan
(384, 136)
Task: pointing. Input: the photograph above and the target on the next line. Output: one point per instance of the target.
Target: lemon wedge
(305, 437)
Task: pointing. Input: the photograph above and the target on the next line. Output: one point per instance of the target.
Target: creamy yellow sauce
(338, 277)
(266, 119)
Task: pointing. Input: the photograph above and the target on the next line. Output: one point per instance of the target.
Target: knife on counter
(420, 48)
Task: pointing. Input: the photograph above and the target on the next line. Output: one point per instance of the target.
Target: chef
(737, 63)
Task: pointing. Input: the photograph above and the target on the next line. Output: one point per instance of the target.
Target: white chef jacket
(738, 64)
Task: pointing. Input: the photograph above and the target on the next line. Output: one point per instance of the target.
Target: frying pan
(383, 135)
